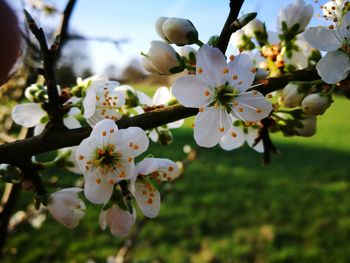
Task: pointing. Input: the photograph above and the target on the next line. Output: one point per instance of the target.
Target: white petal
(89, 103)
(39, 128)
(133, 139)
(252, 106)
(168, 170)
(104, 131)
(233, 139)
(345, 30)
(147, 198)
(212, 62)
(97, 193)
(28, 114)
(210, 125)
(176, 124)
(162, 96)
(143, 98)
(240, 73)
(191, 92)
(333, 67)
(251, 136)
(71, 122)
(322, 38)
(118, 220)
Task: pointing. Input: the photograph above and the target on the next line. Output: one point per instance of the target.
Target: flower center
(224, 96)
(106, 157)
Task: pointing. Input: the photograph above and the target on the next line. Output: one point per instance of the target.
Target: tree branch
(228, 29)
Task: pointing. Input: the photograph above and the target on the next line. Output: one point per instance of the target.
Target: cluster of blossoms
(225, 90)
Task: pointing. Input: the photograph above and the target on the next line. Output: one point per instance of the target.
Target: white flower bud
(179, 31)
(119, 221)
(66, 207)
(295, 13)
(315, 104)
(291, 97)
(187, 52)
(254, 26)
(309, 127)
(159, 27)
(237, 38)
(163, 59)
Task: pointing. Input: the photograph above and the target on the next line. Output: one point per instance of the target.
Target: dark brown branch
(54, 106)
(6, 214)
(228, 29)
(63, 29)
(53, 139)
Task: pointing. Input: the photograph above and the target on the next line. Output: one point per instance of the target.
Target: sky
(134, 20)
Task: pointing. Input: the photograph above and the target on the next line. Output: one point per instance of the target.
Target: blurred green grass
(227, 207)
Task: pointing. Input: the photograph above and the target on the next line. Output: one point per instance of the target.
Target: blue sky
(134, 20)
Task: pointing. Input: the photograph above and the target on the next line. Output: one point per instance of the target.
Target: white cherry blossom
(335, 39)
(145, 193)
(66, 207)
(107, 157)
(219, 90)
(103, 100)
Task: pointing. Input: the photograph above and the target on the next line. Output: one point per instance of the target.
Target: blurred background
(227, 206)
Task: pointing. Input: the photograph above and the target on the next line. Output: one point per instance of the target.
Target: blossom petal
(333, 67)
(241, 72)
(147, 198)
(39, 128)
(71, 122)
(210, 65)
(97, 193)
(233, 139)
(322, 38)
(167, 169)
(251, 106)
(251, 136)
(162, 96)
(132, 139)
(28, 114)
(210, 125)
(119, 221)
(89, 103)
(191, 91)
(103, 131)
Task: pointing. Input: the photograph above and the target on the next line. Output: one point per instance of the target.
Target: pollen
(81, 157)
(255, 92)
(98, 181)
(201, 109)
(149, 201)
(235, 103)
(258, 110)
(131, 144)
(232, 57)
(233, 134)
(111, 130)
(221, 129)
(130, 159)
(97, 98)
(225, 70)
(104, 133)
(240, 109)
(111, 181)
(253, 70)
(234, 77)
(135, 147)
(170, 169)
(206, 93)
(122, 174)
(269, 96)
(144, 192)
(331, 27)
(240, 83)
(199, 70)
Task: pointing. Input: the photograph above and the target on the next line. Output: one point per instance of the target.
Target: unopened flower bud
(119, 221)
(163, 59)
(315, 104)
(165, 137)
(309, 127)
(178, 30)
(159, 27)
(256, 29)
(294, 18)
(188, 53)
(291, 96)
(36, 93)
(66, 207)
